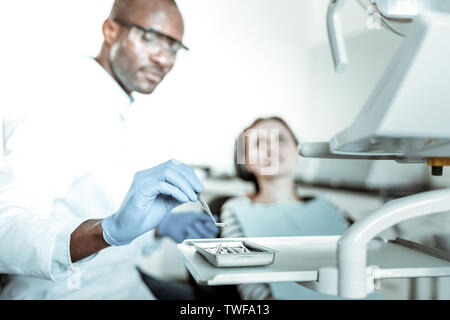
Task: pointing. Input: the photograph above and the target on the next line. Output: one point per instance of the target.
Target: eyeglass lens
(153, 42)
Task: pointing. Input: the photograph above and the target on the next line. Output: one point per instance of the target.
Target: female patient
(269, 149)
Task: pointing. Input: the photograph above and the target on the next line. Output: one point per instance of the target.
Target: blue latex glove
(187, 225)
(152, 195)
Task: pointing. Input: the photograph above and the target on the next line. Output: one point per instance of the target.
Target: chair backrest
(216, 204)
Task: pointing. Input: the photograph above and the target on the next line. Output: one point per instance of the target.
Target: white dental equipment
(415, 86)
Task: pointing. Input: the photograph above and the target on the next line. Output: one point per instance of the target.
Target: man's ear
(111, 31)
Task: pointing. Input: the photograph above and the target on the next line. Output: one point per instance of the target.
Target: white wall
(35, 36)
(248, 58)
(253, 58)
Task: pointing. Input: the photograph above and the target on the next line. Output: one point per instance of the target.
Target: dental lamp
(406, 119)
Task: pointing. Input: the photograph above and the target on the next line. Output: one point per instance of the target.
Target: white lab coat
(65, 162)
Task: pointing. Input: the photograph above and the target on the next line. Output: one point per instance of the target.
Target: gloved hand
(152, 195)
(187, 225)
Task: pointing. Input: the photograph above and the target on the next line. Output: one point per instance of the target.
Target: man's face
(141, 60)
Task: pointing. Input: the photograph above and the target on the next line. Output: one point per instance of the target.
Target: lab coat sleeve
(34, 246)
(61, 267)
(34, 233)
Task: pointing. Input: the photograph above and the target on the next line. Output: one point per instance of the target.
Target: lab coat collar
(125, 100)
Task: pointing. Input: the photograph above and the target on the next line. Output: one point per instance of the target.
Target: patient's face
(271, 149)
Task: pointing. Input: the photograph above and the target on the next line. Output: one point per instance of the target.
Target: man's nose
(163, 58)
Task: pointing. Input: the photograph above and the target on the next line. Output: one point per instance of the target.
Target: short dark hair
(122, 8)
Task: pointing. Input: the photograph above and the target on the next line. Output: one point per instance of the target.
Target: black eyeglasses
(151, 34)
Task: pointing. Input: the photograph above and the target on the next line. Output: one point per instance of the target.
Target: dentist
(74, 215)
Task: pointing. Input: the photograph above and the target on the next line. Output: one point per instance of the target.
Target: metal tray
(225, 253)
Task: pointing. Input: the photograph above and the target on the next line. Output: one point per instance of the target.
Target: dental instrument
(208, 211)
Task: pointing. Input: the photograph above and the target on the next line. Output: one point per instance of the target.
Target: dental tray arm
(336, 36)
(352, 246)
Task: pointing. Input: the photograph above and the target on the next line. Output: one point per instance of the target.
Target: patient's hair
(240, 144)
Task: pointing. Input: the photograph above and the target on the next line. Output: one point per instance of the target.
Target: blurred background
(247, 58)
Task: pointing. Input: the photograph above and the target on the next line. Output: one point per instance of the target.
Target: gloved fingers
(178, 238)
(171, 203)
(168, 227)
(191, 233)
(172, 191)
(175, 178)
(184, 170)
(188, 173)
(205, 229)
(205, 218)
(211, 229)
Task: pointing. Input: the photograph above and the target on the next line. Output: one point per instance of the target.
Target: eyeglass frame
(151, 30)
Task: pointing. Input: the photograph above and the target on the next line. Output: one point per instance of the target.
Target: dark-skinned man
(74, 215)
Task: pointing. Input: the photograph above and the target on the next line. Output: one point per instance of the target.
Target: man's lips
(152, 75)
